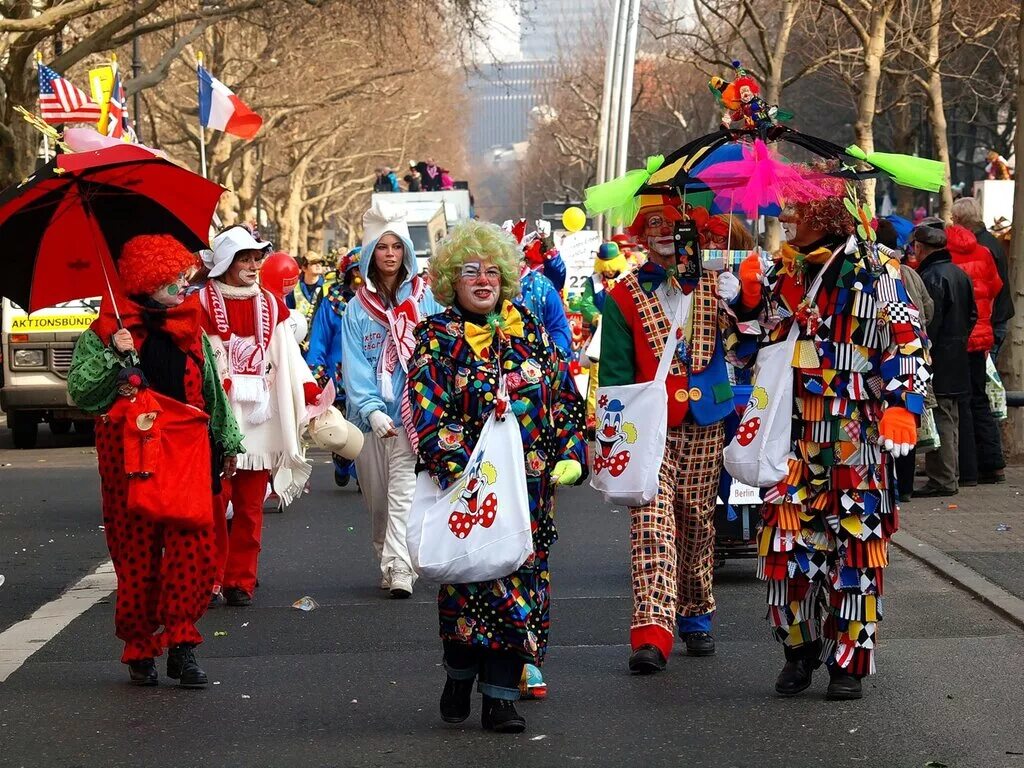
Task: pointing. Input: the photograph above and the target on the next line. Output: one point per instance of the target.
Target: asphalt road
(356, 682)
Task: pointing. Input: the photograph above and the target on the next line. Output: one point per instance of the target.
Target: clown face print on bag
(612, 435)
(477, 505)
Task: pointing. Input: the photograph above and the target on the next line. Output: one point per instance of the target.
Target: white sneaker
(385, 580)
(401, 583)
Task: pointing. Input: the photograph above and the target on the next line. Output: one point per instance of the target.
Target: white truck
(36, 354)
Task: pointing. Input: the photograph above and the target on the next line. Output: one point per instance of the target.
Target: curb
(995, 597)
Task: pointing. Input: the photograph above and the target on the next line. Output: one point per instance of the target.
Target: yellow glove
(567, 472)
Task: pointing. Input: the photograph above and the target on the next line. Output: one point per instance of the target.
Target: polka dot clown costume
(161, 543)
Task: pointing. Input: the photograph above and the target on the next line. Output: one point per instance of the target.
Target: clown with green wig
(496, 631)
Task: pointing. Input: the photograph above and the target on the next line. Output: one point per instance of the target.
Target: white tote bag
(759, 453)
(479, 529)
(632, 421)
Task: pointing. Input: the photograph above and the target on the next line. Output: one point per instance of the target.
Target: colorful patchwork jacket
(861, 341)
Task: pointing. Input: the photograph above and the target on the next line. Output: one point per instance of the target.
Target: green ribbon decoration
(905, 170)
(618, 197)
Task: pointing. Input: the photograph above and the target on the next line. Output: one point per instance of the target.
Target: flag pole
(46, 139)
(202, 129)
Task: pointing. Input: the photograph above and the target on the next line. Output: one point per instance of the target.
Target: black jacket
(954, 317)
(1002, 310)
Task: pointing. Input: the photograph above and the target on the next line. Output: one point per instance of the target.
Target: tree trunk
(867, 103)
(903, 135)
(1014, 356)
(936, 105)
(290, 219)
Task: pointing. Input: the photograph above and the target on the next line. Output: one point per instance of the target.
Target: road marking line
(26, 637)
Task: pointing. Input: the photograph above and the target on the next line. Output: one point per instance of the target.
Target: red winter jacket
(976, 260)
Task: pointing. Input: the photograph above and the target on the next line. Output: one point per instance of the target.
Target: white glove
(728, 286)
(382, 425)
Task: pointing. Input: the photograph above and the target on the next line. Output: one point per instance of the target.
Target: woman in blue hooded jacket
(377, 341)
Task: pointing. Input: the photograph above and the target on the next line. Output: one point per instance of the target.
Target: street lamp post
(617, 96)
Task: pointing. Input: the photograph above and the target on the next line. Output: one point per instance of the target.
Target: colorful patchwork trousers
(673, 537)
(823, 553)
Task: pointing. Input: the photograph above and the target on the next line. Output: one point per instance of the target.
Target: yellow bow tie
(793, 262)
(508, 323)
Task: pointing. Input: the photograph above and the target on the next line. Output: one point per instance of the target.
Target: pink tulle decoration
(760, 179)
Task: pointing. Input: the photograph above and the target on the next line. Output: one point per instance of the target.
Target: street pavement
(356, 681)
(982, 527)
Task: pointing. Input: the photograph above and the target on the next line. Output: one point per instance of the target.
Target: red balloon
(279, 274)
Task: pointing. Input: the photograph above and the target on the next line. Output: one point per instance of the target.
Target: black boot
(500, 716)
(699, 644)
(143, 672)
(842, 686)
(237, 597)
(456, 700)
(646, 660)
(801, 662)
(182, 666)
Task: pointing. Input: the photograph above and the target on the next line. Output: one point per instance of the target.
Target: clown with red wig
(165, 435)
(860, 371)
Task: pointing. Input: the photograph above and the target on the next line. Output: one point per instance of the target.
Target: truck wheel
(60, 426)
(25, 428)
(84, 426)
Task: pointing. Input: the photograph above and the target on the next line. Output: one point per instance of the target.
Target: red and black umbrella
(63, 227)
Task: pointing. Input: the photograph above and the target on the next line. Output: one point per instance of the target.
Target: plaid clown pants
(673, 537)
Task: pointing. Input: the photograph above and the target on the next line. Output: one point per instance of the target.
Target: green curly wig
(474, 241)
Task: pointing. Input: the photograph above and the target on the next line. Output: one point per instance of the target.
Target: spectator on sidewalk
(888, 240)
(981, 447)
(954, 317)
(967, 213)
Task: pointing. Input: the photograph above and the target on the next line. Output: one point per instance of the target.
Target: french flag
(220, 109)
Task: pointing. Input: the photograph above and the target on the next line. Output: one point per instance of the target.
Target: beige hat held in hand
(332, 432)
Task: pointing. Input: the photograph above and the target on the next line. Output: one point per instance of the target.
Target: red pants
(239, 550)
(164, 573)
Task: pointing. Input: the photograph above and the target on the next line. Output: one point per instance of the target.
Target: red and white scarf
(246, 355)
(400, 323)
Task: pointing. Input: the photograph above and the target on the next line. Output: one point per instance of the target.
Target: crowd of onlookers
(422, 176)
(956, 273)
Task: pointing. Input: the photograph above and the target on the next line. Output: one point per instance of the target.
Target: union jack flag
(118, 124)
(62, 102)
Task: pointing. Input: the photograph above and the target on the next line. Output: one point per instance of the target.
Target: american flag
(62, 102)
(117, 111)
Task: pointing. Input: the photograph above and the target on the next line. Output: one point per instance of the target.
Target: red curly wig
(828, 213)
(149, 262)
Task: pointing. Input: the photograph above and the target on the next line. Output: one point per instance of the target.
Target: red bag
(167, 459)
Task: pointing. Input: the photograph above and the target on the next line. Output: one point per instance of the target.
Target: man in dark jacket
(953, 318)
(967, 213)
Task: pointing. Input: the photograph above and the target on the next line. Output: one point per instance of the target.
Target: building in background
(502, 94)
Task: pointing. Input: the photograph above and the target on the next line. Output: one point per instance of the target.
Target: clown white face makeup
(245, 268)
(746, 94)
(172, 294)
(659, 233)
(479, 286)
